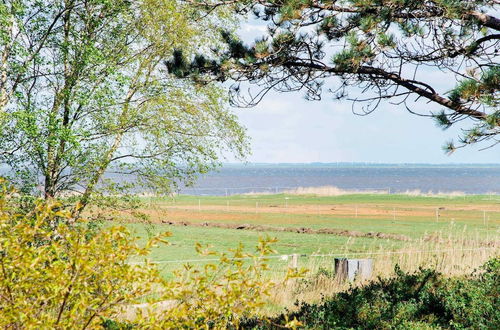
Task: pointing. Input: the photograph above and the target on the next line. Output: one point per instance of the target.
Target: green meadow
(418, 218)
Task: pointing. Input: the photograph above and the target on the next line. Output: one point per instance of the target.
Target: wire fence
(285, 257)
(313, 205)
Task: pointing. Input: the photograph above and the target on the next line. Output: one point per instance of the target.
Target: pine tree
(379, 46)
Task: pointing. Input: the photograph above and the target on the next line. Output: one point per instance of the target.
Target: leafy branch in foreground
(58, 273)
(55, 275)
(370, 52)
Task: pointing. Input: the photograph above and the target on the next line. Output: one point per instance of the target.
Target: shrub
(422, 300)
(218, 295)
(54, 275)
(55, 272)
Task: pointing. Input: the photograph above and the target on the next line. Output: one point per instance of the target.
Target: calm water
(273, 178)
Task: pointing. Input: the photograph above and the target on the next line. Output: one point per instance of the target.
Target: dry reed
(449, 254)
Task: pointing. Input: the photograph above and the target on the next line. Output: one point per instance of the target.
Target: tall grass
(463, 236)
(450, 254)
(332, 191)
(335, 191)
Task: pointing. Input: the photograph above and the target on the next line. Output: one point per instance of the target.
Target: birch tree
(84, 91)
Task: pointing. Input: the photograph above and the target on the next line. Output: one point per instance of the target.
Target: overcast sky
(287, 128)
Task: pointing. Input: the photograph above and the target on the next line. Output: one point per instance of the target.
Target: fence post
(350, 269)
(294, 263)
(365, 268)
(488, 229)
(340, 269)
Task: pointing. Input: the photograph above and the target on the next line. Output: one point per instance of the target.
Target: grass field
(453, 234)
(403, 214)
(416, 217)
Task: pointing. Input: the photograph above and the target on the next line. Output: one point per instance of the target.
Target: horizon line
(354, 163)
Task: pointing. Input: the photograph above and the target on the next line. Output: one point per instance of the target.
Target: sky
(286, 128)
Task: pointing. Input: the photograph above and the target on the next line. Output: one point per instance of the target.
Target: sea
(233, 179)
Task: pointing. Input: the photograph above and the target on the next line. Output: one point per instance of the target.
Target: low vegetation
(59, 272)
(424, 299)
(63, 272)
(412, 216)
(344, 225)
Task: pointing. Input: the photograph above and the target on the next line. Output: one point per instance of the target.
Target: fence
(304, 212)
(448, 261)
(290, 204)
(286, 257)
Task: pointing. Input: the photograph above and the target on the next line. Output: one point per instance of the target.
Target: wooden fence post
(365, 268)
(341, 269)
(294, 263)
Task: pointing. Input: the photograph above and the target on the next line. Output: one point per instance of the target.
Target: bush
(54, 275)
(422, 300)
(58, 273)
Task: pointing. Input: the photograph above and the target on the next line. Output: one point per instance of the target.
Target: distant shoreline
(401, 178)
(361, 165)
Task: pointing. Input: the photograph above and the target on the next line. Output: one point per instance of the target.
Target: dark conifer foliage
(382, 47)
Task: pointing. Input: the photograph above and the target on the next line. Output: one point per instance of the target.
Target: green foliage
(219, 295)
(386, 40)
(483, 89)
(379, 47)
(58, 273)
(54, 275)
(84, 90)
(442, 120)
(422, 300)
(352, 58)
